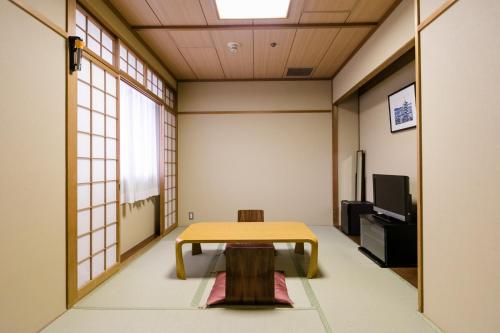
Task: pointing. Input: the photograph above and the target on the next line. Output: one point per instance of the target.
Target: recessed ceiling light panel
(252, 9)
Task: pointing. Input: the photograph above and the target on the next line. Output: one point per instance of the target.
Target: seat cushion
(218, 293)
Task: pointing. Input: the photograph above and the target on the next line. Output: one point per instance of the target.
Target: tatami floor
(351, 294)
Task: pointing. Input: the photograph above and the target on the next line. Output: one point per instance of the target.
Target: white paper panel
(110, 105)
(131, 59)
(97, 170)
(123, 65)
(106, 55)
(97, 123)
(110, 191)
(83, 171)
(111, 235)
(110, 256)
(83, 223)
(93, 30)
(94, 46)
(110, 170)
(97, 100)
(97, 241)
(83, 120)
(97, 194)
(107, 41)
(123, 52)
(80, 19)
(84, 74)
(82, 34)
(83, 94)
(83, 196)
(97, 147)
(97, 76)
(83, 247)
(131, 71)
(110, 84)
(110, 213)
(97, 265)
(110, 148)
(98, 217)
(140, 78)
(140, 67)
(110, 127)
(83, 273)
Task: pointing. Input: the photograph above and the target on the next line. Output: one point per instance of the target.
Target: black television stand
(388, 242)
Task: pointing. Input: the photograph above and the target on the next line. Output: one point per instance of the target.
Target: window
(170, 170)
(131, 65)
(154, 84)
(96, 38)
(139, 145)
(169, 98)
(97, 183)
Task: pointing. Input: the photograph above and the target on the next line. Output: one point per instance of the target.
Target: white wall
(348, 144)
(396, 32)
(281, 163)
(255, 96)
(32, 169)
(386, 152)
(138, 221)
(461, 167)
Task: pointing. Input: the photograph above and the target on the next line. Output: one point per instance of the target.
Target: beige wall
(54, 10)
(138, 222)
(397, 31)
(461, 167)
(386, 152)
(32, 177)
(281, 163)
(255, 96)
(348, 144)
(101, 10)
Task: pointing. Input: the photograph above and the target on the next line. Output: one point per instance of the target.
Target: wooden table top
(226, 232)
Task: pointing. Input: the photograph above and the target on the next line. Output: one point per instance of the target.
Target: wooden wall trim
(71, 168)
(335, 166)
(418, 100)
(251, 112)
(437, 13)
(254, 26)
(40, 17)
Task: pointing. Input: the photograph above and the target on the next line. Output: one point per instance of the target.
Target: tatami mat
(350, 294)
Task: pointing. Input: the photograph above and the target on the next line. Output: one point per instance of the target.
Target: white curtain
(139, 145)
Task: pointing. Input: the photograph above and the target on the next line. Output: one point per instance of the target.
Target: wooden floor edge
(144, 245)
(252, 112)
(137, 248)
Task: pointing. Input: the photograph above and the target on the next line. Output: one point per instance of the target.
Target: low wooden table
(247, 232)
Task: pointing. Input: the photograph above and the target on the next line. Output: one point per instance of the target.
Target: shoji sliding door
(97, 241)
(170, 170)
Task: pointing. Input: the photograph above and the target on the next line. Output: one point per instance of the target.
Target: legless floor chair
(249, 278)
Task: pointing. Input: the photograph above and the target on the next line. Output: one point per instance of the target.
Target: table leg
(313, 262)
(179, 262)
(299, 248)
(195, 248)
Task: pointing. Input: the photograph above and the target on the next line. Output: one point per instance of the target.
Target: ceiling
(191, 40)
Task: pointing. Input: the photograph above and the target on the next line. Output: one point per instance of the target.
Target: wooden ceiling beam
(255, 26)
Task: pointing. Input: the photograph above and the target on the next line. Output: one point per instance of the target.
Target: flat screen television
(391, 196)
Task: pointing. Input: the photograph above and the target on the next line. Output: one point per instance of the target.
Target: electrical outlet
(191, 215)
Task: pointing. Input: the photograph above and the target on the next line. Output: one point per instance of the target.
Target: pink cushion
(218, 293)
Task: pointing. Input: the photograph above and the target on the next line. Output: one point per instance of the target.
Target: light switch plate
(191, 215)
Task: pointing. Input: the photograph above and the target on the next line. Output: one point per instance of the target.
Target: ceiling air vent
(299, 71)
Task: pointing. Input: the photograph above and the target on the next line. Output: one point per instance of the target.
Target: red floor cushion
(218, 293)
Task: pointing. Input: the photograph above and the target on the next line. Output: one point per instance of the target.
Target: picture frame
(402, 109)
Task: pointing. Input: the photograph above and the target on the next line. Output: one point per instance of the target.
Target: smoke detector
(233, 47)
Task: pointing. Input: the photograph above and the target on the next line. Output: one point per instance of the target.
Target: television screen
(391, 196)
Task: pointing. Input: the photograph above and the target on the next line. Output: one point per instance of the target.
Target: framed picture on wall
(402, 109)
